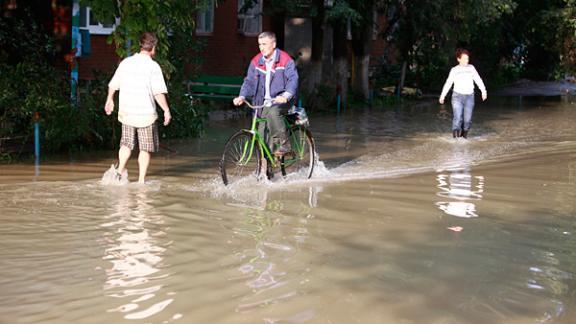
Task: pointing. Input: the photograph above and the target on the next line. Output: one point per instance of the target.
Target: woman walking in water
(463, 76)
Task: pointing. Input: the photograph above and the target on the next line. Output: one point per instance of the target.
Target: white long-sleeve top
(463, 78)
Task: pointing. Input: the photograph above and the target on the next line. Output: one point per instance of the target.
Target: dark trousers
(274, 129)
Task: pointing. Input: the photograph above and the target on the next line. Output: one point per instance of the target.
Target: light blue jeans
(462, 107)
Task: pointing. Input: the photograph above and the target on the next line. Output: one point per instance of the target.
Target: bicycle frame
(257, 139)
(265, 151)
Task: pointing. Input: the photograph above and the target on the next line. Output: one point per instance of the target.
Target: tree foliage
(173, 23)
(30, 83)
(544, 29)
(508, 38)
(426, 33)
(171, 20)
(33, 90)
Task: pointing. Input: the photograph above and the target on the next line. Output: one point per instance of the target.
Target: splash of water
(110, 177)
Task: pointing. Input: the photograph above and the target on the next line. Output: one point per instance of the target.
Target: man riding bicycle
(271, 80)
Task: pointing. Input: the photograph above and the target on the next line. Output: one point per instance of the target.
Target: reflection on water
(253, 193)
(313, 192)
(459, 190)
(132, 234)
(572, 172)
(270, 265)
(260, 269)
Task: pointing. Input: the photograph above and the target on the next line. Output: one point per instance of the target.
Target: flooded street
(400, 223)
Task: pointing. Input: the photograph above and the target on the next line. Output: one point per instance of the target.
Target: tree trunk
(328, 60)
(317, 55)
(341, 62)
(362, 45)
(362, 76)
(402, 78)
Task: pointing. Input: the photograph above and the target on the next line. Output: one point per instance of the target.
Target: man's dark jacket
(284, 78)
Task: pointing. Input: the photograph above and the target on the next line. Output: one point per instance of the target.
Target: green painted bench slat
(213, 87)
(213, 97)
(219, 79)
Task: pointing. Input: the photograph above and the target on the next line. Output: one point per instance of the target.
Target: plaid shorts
(148, 140)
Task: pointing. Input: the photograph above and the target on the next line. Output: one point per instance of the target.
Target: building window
(250, 17)
(87, 21)
(205, 19)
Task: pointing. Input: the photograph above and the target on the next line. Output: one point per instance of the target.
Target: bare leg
(143, 162)
(123, 156)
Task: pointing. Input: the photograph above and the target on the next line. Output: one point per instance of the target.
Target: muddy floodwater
(400, 223)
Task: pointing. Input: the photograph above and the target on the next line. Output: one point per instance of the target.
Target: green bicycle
(246, 151)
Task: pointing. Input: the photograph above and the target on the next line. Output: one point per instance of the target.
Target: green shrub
(31, 86)
(188, 116)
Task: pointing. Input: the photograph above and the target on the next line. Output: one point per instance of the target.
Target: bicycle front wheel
(303, 156)
(241, 158)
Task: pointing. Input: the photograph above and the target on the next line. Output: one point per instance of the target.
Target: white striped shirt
(139, 78)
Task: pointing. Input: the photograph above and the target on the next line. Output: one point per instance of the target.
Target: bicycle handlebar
(247, 103)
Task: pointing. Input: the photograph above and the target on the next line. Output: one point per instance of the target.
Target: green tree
(342, 13)
(338, 17)
(546, 30)
(170, 20)
(173, 23)
(362, 38)
(568, 15)
(426, 33)
(33, 90)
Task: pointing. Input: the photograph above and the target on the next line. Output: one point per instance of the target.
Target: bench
(215, 88)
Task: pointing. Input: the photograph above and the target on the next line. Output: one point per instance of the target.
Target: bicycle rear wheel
(241, 158)
(303, 156)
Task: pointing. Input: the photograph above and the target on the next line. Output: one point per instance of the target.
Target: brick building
(224, 29)
(221, 28)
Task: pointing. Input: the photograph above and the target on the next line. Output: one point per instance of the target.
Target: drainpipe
(75, 52)
(36, 143)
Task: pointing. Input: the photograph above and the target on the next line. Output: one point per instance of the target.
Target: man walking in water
(463, 76)
(271, 80)
(141, 84)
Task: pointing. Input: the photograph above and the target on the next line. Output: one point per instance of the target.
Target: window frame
(201, 13)
(258, 15)
(98, 29)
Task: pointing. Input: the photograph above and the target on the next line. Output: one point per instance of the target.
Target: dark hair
(461, 51)
(148, 41)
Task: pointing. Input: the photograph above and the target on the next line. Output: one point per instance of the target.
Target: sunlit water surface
(399, 224)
